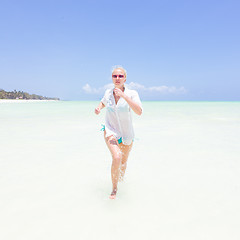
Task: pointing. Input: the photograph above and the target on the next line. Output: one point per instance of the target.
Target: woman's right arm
(99, 108)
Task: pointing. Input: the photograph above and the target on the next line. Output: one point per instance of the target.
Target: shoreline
(26, 100)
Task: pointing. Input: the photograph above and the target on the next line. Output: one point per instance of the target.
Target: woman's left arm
(133, 105)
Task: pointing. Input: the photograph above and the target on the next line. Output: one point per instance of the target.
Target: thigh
(125, 149)
(113, 145)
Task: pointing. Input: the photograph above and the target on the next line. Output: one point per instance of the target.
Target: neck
(122, 88)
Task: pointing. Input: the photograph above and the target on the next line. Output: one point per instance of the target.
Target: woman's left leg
(125, 149)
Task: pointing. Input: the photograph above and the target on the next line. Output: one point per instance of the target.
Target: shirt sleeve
(135, 97)
(105, 98)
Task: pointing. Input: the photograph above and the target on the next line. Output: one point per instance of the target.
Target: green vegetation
(22, 95)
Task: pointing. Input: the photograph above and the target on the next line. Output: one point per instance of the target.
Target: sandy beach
(182, 180)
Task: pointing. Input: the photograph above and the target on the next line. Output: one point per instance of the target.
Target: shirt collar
(125, 90)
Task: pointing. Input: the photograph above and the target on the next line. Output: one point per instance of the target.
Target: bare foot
(113, 194)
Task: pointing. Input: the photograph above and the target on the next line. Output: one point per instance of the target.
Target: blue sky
(172, 50)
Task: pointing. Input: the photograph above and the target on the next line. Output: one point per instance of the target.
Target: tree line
(22, 95)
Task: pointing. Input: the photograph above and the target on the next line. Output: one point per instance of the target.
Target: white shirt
(118, 120)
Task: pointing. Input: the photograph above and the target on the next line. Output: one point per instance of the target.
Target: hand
(97, 110)
(118, 92)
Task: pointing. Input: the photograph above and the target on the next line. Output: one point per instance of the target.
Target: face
(118, 78)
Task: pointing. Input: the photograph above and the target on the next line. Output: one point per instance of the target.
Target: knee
(117, 158)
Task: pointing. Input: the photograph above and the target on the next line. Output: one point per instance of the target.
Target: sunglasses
(120, 76)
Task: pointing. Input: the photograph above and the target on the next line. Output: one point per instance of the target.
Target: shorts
(103, 129)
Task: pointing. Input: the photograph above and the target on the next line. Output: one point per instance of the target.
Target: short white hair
(119, 67)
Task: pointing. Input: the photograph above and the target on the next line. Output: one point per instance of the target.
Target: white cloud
(160, 89)
(87, 88)
(136, 86)
(90, 90)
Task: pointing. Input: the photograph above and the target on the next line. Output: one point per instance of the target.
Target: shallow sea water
(182, 179)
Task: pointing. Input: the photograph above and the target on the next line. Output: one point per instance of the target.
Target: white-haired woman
(118, 129)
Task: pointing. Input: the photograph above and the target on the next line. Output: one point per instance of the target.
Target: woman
(118, 130)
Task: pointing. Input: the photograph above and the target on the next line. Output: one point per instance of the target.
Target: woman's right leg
(125, 149)
(116, 153)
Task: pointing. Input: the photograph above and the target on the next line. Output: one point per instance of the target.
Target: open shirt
(118, 120)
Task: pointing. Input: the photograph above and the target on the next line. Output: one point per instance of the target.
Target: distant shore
(20, 95)
(26, 100)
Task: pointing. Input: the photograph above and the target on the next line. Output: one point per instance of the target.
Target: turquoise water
(182, 180)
